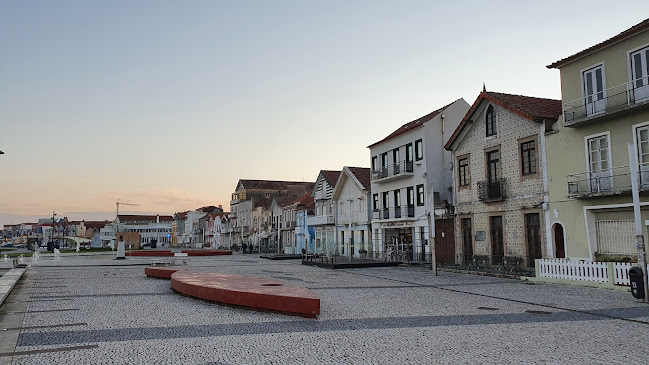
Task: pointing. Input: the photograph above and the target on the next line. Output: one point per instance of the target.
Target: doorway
(559, 242)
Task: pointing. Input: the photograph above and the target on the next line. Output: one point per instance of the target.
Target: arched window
(490, 122)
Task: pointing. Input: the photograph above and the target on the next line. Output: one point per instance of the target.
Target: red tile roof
(95, 224)
(363, 175)
(534, 109)
(331, 176)
(182, 215)
(269, 184)
(412, 125)
(304, 200)
(634, 30)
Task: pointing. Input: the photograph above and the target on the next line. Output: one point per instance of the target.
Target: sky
(168, 104)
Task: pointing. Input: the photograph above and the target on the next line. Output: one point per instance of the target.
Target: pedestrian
(243, 247)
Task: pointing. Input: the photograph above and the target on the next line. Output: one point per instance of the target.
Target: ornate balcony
(491, 190)
(321, 220)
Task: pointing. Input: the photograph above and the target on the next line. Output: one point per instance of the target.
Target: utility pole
(639, 236)
(431, 229)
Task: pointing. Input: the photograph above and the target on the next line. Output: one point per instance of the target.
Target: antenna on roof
(484, 88)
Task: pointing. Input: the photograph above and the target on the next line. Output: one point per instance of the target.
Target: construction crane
(118, 203)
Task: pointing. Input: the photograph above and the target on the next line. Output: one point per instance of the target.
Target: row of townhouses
(508, 176)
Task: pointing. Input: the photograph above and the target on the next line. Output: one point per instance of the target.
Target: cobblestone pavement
(400, 315)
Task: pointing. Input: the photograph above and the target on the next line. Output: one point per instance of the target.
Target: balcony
(614, 181)
(321, 220)
(288, 225)
(618, 99)
(393, 172)
(491, 190)
(401, 212)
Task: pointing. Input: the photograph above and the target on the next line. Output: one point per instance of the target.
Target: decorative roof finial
(484, 88)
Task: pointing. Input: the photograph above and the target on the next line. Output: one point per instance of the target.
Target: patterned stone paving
(368, 316)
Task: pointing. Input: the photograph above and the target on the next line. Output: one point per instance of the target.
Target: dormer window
(490, 122)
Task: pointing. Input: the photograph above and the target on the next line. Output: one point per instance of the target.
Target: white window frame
(582, 86)
(587, 154)
(630, 61)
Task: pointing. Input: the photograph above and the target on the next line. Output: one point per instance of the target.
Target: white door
(600, 177)
(640, 74)
(642, 135)
(595, 100)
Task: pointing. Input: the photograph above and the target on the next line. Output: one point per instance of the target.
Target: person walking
(243, 247)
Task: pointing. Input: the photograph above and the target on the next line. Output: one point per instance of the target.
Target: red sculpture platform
(246, 291)
(207, 252)
(162, 272)
(158, 253)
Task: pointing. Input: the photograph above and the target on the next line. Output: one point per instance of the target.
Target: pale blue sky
(169, 103)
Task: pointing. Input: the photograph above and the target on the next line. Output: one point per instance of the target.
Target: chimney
(157, 219)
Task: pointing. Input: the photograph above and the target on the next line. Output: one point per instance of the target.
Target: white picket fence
(584, 270)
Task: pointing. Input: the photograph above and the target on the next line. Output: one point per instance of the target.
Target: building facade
(605, 96)
(354, 214)
(499, 173)
(411, 176)
(324, 219)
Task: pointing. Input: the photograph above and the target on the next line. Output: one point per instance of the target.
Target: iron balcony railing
(613, 181)
(609, 101)
(491, 189)
(405, 211)
(390, 172)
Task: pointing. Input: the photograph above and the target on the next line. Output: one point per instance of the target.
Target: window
(528, 158)
(384, 160)
(409, 152)
(385, 200)
(593, 87)
(374, 163)
(410, 196)
(493, 165)
(419, 150)
(490, 122)
(640, 74)
(463, 171)
(420, 195)
(395, 156)
(397, 198)
(375, 202)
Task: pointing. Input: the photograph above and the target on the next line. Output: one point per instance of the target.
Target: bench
(167, 262)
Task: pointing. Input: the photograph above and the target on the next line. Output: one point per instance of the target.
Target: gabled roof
(182, 215)
(534, 109)
(268, 184)
(634, 30)
(304, 200)
(263, 202)
(95, 224)
(363, 175)
(412, 125)
(359, 176)
(331, 176)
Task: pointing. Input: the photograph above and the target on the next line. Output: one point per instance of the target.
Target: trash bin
(637, 283)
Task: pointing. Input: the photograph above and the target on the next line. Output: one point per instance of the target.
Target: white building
(324, 220)
(410, 169)
(352, 196)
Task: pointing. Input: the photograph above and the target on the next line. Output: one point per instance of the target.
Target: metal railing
(404, 211)
(616, 180)
(492, 189)
(494, 264)
(609, 101)
(403, 168)
(320, 220)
